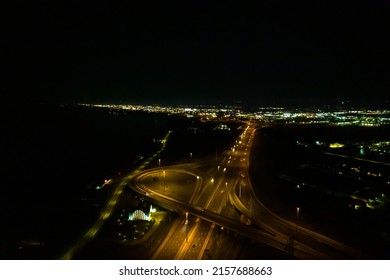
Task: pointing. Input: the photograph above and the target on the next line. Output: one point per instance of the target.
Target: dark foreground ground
(280, 168)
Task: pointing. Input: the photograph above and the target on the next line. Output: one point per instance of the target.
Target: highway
(219, 209)
(221, 200)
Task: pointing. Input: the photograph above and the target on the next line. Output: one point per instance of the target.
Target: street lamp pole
(226, 184)
(164, 179)
(296, 224)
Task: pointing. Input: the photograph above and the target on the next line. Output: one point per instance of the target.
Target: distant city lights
(350, 117)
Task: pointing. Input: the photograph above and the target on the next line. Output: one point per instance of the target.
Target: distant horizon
(244, 105)
(336, 104)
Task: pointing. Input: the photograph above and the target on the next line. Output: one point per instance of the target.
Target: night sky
(254, 52)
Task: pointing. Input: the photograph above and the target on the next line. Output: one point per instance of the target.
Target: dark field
(278, 165)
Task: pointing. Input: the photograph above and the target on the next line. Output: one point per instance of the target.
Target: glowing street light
(164, 179)
(186, 226)
(191, 156)
(296, 224)
(226, 184)
(159, 162)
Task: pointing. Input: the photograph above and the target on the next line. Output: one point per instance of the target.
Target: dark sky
(268, 52)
